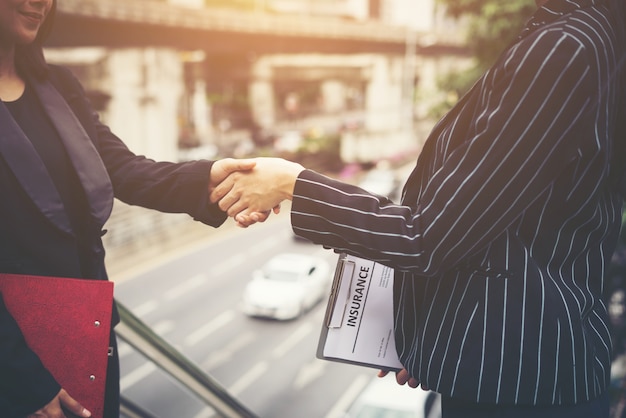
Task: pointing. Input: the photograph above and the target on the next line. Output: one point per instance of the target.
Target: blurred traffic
(287, 286)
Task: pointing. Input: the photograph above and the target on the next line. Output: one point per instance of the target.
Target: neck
(7, 63)
(11, 84)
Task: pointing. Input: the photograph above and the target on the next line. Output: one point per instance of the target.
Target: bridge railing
(143, 339)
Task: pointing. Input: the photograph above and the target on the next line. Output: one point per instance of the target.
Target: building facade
(176, 104)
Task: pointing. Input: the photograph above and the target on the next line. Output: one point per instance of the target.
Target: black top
(30, 116)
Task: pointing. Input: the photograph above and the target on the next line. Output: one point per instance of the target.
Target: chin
(26, 39)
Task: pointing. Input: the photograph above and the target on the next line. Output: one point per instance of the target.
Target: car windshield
(281, 275)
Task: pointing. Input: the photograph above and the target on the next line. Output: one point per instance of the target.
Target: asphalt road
(190, 296)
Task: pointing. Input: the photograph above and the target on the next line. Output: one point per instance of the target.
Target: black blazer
(507, 222)
(36, 236)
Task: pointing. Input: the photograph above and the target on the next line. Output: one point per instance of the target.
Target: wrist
(290, 180)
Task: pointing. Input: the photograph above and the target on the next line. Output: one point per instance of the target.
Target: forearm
(172, 188)
(349, 219)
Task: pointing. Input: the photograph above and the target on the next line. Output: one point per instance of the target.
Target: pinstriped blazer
(506, 224)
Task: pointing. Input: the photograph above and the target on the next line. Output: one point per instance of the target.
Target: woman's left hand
(403, 378)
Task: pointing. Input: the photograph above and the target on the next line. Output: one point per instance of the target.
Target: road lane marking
(309, 372)
(207, 412)
(187, 286)
(293, 339)
(228, 264)
(136, 375)
(338, 410)
(263, 246)
(226, 353)
(248, 378)
(210, 327)
(163, 327)
(124, 349)
(145, 308)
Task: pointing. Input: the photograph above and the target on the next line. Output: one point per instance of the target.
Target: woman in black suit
(60, 169)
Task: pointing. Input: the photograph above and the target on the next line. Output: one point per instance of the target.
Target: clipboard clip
(340, 292)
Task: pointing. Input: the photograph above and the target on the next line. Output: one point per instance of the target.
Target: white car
(287, 286)
(384, 397)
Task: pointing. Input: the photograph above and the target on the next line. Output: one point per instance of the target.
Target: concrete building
(137, 91)
(173, 103)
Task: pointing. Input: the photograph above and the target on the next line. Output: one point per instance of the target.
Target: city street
(192, 300)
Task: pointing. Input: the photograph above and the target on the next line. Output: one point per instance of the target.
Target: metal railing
(129, 409)
(138, 335)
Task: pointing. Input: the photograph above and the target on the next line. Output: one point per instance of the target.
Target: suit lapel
(81, 150)
(30, 171)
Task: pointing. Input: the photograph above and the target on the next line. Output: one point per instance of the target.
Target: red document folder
(67, 323)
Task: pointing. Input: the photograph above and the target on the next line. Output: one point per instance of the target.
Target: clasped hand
(249, 190)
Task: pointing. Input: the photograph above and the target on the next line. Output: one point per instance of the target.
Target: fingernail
(86, 413)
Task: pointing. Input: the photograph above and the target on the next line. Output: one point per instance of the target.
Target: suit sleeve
(527, 128)
(138, 180)
(25, 384)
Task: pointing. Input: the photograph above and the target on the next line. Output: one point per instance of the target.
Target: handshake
(248, 190)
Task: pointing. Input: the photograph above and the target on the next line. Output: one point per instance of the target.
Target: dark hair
(29, 58)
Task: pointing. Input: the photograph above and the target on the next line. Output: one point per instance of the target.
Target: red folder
(67, 323)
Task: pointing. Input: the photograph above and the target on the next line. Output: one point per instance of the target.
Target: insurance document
(358, 325)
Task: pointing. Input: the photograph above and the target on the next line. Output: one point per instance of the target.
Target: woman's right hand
(63, 401)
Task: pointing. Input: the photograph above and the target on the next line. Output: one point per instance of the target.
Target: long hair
(30, 58)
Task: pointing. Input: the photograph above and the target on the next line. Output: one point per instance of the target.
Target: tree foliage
(491, 26)
(496, 27)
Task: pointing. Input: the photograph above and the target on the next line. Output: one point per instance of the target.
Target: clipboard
(67, 323)
(358, 325)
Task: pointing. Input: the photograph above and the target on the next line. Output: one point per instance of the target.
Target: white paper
(358, 326)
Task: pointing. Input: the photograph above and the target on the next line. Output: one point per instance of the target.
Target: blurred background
(349, 88)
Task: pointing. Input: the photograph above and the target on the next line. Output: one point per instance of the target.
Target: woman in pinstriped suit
(506, 224)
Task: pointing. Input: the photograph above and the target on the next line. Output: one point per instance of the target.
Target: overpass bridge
(141, 23)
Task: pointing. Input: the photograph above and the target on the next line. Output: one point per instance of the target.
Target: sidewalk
(125, 261)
